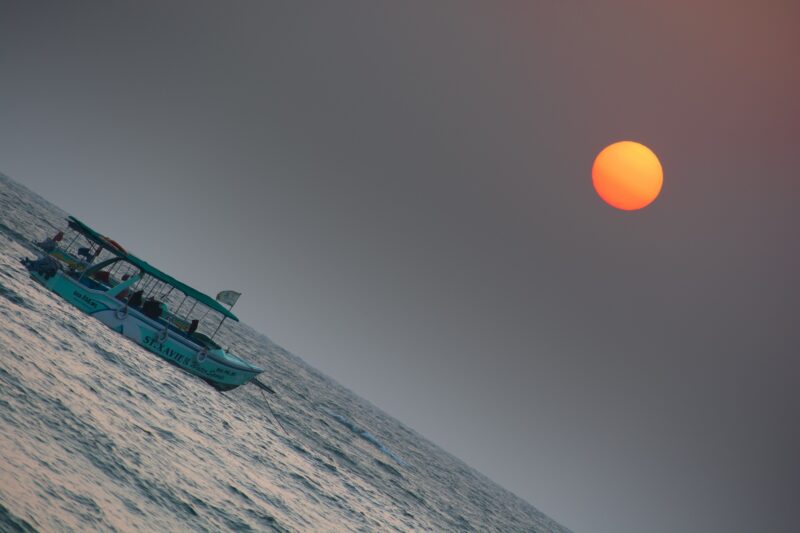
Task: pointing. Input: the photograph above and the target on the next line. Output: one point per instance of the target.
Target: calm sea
(97, 434)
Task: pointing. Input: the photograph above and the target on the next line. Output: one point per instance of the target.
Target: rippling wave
(99, 434)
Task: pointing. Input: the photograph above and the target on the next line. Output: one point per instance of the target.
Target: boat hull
(219, 369)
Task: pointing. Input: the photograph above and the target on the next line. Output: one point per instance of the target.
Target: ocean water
(97, 434)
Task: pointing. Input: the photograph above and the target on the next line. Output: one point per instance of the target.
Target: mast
(231, 296)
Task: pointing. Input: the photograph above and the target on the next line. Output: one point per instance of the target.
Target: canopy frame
(148, 269)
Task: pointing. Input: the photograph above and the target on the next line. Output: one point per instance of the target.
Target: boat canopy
(147, 268)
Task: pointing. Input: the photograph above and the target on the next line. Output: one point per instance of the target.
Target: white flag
(228, 297)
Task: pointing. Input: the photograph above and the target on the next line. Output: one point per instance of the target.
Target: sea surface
(97, 434)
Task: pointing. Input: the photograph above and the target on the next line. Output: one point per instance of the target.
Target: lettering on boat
(85, 299)
(182, 359)
(166, 351)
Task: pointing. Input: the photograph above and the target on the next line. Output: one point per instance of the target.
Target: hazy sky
(401, 190)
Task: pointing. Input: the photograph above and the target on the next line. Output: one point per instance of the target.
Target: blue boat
(156, 311)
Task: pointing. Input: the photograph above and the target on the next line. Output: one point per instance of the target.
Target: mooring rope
(273, 412)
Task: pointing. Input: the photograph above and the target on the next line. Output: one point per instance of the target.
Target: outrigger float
(99, 277)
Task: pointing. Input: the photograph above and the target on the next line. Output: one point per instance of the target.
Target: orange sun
(627, 175)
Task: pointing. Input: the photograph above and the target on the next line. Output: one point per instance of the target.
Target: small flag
(228, 297)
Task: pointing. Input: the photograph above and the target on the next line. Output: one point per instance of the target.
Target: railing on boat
(102, 264)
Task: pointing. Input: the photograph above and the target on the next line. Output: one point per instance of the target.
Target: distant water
(98, 434)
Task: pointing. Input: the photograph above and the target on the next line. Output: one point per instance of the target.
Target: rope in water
(274, 416)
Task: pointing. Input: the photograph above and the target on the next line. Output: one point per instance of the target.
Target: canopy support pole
(220, 325)
(75, 238)
(190, 310)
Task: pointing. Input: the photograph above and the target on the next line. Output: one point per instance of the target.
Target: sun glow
(627, 175)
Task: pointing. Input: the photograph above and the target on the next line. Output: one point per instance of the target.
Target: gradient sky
(402, 192)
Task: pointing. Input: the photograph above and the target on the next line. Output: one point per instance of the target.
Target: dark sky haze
(402, 192)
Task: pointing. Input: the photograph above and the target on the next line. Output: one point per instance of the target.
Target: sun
(627, 175)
